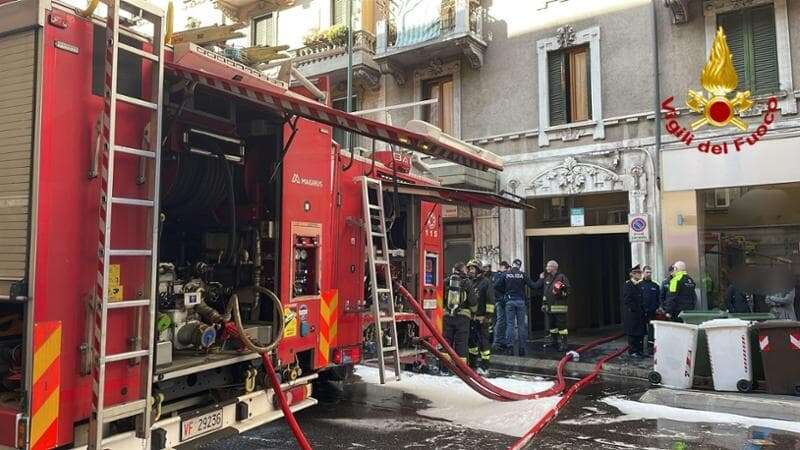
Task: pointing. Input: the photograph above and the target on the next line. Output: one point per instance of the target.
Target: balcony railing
(457, 22)
(363, 41)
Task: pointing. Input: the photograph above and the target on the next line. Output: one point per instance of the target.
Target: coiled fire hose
(267, 360)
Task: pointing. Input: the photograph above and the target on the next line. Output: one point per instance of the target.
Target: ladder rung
(387, 319)
(376, 207)
(377, 234)
(389, 349)
(381, 261)
(137, 102)
(127, 355)
(129, 252)
(124, 410)
(128, 304)
(132, 201)
(134, 151)
(139, 52)
(386, 290)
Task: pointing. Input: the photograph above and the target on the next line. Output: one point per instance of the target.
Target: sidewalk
(537, 360)
(765, 406)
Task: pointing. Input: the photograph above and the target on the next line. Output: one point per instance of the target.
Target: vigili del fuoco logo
(716, 106)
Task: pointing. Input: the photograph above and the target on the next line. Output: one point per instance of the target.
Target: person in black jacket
(681, 294)
(650, 299)
(634, 318)
(480, 347)
(461, 302)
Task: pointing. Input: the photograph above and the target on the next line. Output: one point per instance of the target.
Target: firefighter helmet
(475, 263)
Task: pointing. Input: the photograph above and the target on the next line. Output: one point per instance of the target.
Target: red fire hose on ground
(488, 390)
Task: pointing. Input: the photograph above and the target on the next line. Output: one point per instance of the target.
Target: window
(439, 114)
(569, 87)
(264, 31)
(339, 135)
(752, 40)
(338, 11)
(129, 74)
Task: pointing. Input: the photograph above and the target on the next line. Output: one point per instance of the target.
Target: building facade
(566, 92)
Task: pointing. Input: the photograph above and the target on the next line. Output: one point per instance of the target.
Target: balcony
(329, 57)
(244, 10)
(447, 29)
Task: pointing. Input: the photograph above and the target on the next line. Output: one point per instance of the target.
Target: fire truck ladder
(141, 346)
(380, 274)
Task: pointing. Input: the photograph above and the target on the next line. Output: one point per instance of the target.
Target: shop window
(598, 210)
(751, 245)
(569, 85)
(439, 114)
(752, 41)
(265, 31)
(129, 71)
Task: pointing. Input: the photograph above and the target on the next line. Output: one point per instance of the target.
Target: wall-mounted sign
(639, 228)
(449, 211)
(576, 217)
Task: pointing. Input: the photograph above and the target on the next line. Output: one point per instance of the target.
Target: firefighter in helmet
(479, 344)
(461, 301)
(555, 289)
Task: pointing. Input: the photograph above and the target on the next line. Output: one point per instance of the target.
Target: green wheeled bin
(755, 355)
(779, 341)
(702, 362)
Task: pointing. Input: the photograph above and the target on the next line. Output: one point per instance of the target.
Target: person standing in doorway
(555, 289)
(499, 337)
(634, 319)
(650, 299)
(461, 300)
(681, 295)
(513, 284)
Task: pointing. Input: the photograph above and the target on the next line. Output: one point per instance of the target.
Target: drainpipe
(349, 140)
(659, 243)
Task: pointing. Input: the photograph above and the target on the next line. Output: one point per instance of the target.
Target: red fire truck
(156, 204)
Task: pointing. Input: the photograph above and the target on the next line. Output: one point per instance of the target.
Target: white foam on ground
(633, 410)
(452, 400)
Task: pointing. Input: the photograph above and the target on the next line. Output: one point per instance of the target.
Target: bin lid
(777, 324)
(669, 324)
(725, 323)
(752, 316)
(698, 317)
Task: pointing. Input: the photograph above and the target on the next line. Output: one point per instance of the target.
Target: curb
(536, 365)
(778, 407)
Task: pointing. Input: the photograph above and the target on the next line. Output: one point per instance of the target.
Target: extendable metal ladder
(140, 350)
(380, 274)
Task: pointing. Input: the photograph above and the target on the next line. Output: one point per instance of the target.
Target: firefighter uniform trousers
(456, 333)
(480, 346)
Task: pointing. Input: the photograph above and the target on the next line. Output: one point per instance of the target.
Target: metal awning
(453, 196)
(216, 72)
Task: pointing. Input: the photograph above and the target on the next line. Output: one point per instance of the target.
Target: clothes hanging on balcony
(416, 21)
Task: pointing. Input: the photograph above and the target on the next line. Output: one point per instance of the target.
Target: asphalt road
(361, 415)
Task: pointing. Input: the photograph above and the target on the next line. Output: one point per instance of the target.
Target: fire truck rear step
(377, 262)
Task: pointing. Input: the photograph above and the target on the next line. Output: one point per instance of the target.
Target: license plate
(199, 425)
(429, 303)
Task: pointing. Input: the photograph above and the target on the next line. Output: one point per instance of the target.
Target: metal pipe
(657, 147)
(349, 138)
(308, 84)
(398, 106)
(16, 298)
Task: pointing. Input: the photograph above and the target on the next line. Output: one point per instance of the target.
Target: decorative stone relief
(395, 71)
(680, 10)
(639, 176)
(367, 75)
(472, 51)
(573, 177)
(565, 36)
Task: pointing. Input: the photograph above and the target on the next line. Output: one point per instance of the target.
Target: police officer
(555, 288)
(499, 340)
(651, 293)
(513, 284)
(680, 294)
(479, 344)
(461, 300)
(634, 316)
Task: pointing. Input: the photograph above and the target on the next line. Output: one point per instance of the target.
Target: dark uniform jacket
(497, 280)
(681, 295)
(485, 295)
(554, 298)
(634, 318)
(467, 299)
(513, 284)
(736, 300)
(651, 294)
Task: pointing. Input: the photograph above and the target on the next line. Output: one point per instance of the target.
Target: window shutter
(733, 25)
(557, 87)
(338, 12)
(765, 50)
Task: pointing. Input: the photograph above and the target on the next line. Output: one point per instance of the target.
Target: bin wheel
(797, 389)
(744, 386)
(654, 377)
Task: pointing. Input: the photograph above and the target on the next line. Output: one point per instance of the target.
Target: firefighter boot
(562, 341)
(553, 344)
